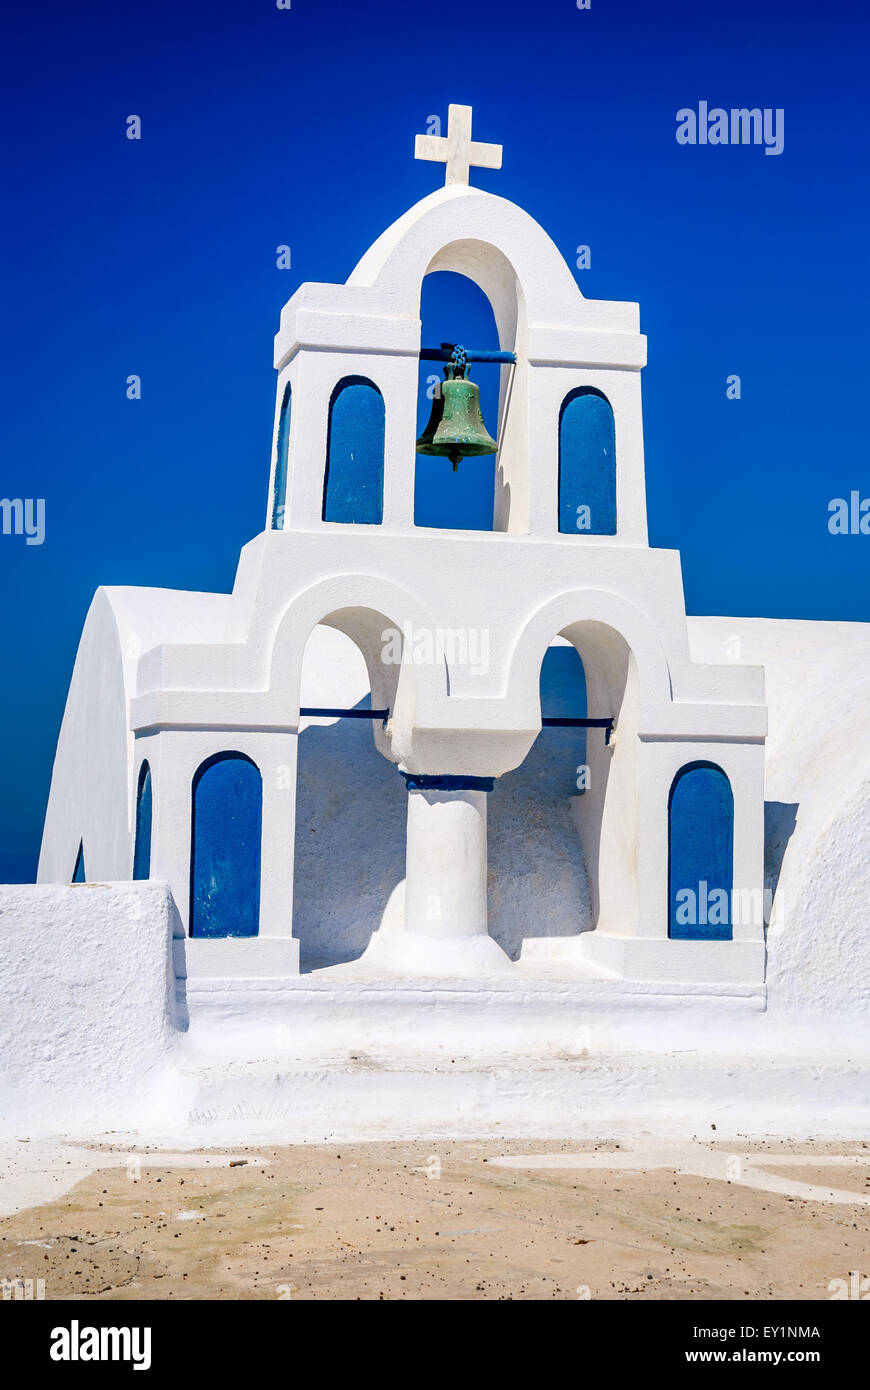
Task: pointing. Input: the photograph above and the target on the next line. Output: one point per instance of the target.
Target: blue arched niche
(227, 816)
(282, 450)
(700, 854)
(353, 489)
(587, 464)
(142, 846)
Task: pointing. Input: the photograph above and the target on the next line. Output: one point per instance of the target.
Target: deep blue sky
(262, 127)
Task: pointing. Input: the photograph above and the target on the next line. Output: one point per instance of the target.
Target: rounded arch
(454, 308)
(603, 627)
(587, 464)
(223, 756)
(628, 681)
(527, 281)
(142, 841)
(535, 852)
(495, 276)
(516, 264)
(700, 853)
(350, 803)
(353, 484)
(364, 607)
(225, 846)
(486, 266)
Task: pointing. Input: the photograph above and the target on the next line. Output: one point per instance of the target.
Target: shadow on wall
(780, 819)
(537, 875)
(350, 840)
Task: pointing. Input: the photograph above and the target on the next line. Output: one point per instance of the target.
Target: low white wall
(88, 1044)
(87, 1014)
(817, 807)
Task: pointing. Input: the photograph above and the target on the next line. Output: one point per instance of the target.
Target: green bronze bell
(457, 430)
(424, 443)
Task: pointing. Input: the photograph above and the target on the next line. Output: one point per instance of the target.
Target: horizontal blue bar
(445, 782)
(606, 724)
(578, 723)
(444, 354)
(310, 712)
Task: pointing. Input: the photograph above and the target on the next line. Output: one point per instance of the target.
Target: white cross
(458, 151)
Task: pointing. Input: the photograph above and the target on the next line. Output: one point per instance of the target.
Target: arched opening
(142, 842)
(79, 868)
(227, 814)
(350, 800)
(282, 451)
(353, 490)
(587, 464)
(605, 807)
(454, 309)
(700, 854)
(538, 884)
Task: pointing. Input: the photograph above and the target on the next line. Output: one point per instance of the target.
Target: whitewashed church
(397, 750)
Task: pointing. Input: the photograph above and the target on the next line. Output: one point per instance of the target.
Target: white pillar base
(445, 922)
(412, 953)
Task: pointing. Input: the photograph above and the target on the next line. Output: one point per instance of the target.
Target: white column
(277, 950)
(173, 763)
(445, 923)
(445, 875)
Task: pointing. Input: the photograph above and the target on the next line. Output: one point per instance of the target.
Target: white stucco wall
(817, 803)
(87, 1016)
(87, 1039)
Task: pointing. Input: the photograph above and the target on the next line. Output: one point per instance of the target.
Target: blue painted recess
(142, 847)
(279, 492)
(587, 465)
(79, 870)
(225, 847)
(353, 489)
(700, 854)
(563, 696)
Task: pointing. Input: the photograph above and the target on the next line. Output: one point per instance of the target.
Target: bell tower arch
(563, 343)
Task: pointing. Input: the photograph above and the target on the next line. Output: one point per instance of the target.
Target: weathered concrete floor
(421, 1221)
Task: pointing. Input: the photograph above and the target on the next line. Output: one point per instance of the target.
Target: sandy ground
(436, 1220)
